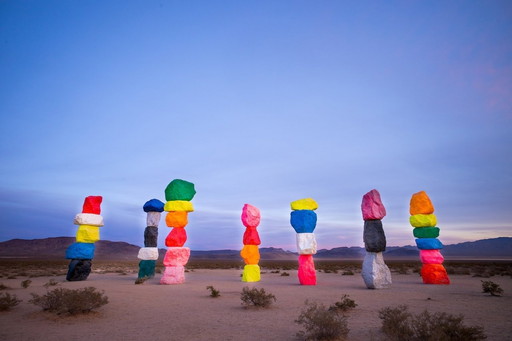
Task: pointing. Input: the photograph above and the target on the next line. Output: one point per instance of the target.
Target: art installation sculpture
(426, 232)
(250, 252)
(303, 220)
(149, 253)
(375, 272)
(178, 194)
(81, 252)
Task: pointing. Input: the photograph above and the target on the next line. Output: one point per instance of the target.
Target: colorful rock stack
(149, 253)
(81, 253)
(250, 252)
(178, 195)
(424, 222)
(303, 220)
(375, 272)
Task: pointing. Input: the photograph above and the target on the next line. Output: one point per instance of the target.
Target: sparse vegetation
(3, 286)
(26, 283)
(284, 274)
(344, 305)
(8, 301)
(322, 323)
(347, 273)
(50, 283)
(213, 292)
(256, 297)
(492, 288)
(399, 324)
(68, 301)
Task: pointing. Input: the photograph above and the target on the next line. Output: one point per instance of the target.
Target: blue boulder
(303, 221)
(429, 244)
(80, 251)
(153, 205)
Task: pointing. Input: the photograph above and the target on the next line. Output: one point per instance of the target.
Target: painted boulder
(303, 221)
(180, 190)
(307, 272)
(372, 207)
(421, 204)
(177, 237)
(250, 216)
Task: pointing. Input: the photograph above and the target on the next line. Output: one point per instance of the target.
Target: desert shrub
(11, 277)
(275, 271)
(68, 301)
(8, 301)
(213, 292)
(50, 283)
(284, 274)
(492, 288)
(256, 298)
(344, 305)
(347, 273)
(3, 286)
(321, 323)
(26, 283)
(399, 324)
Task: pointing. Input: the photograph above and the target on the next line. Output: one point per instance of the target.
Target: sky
(259, 102)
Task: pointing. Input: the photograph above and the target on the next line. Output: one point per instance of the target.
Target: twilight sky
(260, 102)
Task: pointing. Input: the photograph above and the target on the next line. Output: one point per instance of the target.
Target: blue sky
(260, 102)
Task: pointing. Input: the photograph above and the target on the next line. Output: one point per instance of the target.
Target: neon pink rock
(173, 275)
(250, 216)
(176, 256)
(431, 257)
(372, 206)
(307, 272)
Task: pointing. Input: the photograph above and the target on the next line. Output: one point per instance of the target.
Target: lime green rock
(180, 190)
(426, 232)
(423, 220)
(304, 204)
(251, 273)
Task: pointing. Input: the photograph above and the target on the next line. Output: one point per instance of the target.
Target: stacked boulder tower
(250, 253)
(426, 232)
(303, 220)
(81, 252)
(178, 194)
(375, 272)
(148, 255)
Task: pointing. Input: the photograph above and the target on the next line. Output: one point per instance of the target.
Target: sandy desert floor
(186, 312)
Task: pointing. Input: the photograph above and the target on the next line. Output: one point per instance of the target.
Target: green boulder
(147, 268)
(426, 232)
(179, 190)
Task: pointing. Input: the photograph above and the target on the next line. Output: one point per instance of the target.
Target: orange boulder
(178, 219)
(250, 254)
(421, 204)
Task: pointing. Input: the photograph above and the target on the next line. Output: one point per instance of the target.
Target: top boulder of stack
(153, 205)
(421, 204)
(179, 190)
(92, 204)
(304, 204)
(372, 206)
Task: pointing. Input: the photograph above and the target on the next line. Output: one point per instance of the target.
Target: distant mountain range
(55, 248)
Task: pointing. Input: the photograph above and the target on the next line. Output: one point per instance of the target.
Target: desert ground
(151, 311)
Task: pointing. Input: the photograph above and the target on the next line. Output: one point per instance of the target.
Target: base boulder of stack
(375, 272)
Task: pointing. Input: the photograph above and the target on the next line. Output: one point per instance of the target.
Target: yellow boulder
(179, 205)
(87, 234)
(250, 254)
(304, 204)
(423, 220)
(251, 273)
(421, 204)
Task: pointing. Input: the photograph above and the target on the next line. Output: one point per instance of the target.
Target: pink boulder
(251, 236)
(307, 272)
(431, 257)
(173, 275)
(372, 206)
(250, 216)
(176, 256)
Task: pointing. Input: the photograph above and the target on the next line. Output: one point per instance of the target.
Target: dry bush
(8, 301)
(50, 283)
(3, 286)
(257, 298)
(492, 288)
(321, 323)
(26, 283)
(213, 292)
(284, 274)
(68, 301)
(399, 324)
(344, 305)
(347, 273)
